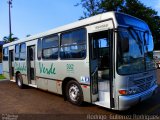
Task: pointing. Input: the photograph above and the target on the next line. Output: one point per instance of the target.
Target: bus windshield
(127, 20)
(135, 53)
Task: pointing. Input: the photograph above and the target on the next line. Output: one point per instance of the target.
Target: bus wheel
(74, 93)
(19, 81)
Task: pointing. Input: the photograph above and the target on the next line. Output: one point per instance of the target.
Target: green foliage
(150, 16)
(91, 7)
(2, 77)
(112, 5)
(28, 35)
(9, 38)
(132, 7)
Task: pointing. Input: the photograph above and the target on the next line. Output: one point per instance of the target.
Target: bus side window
(5, 54)
(39, 49)
(22, 51)
(50, 46)
(17, 52)
(73, 44)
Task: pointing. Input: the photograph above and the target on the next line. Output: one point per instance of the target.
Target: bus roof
(77, 24)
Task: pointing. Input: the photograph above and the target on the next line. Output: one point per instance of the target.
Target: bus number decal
(70, 67)
(45, 70)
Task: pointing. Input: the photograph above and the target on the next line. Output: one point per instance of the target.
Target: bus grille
(144, 84)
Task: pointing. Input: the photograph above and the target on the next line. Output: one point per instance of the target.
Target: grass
(2, 77)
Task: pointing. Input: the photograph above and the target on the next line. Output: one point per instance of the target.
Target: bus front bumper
(126, 102)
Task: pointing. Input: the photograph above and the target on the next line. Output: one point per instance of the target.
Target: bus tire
(19, 80)
(74, 93)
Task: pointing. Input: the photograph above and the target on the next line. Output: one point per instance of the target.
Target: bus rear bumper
(125, 102)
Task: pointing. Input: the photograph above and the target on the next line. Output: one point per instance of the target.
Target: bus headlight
(128, 92)
(123, 92)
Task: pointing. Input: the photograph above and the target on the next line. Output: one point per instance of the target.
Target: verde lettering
(45, 70)
(20, 67)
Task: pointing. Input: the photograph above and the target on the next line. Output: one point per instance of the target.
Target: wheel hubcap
(19, 82)
(74, 92)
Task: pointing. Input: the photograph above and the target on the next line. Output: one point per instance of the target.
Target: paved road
(33, 101)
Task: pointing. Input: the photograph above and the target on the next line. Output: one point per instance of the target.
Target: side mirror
(125, 45)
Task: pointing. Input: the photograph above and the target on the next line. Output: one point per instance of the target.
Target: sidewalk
(1, 80)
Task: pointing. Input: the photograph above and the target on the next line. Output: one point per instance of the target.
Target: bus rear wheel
(74, 93)
(19, 80)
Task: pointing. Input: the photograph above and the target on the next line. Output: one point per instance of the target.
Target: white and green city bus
(106, 60)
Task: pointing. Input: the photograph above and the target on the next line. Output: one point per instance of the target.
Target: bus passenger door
(11, 64)
(31, 65)
(101, 68)
(93, 70)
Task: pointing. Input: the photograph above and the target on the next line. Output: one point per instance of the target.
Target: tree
(9, 38)
(94, 7)
(150, 16)
(28, 35)
(111, 5)
(91, 7)
(132, 7)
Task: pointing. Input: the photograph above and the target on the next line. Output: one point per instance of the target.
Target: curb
(4, 80)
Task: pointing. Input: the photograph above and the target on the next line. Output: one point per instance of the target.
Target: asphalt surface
(30, 103)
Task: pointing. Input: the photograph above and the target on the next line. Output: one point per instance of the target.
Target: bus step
(13, 80)
(31, 85)
(103, 104)
(104, 99)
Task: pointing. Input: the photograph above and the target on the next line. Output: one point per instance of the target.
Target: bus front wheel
(19, 80)
(74, 93)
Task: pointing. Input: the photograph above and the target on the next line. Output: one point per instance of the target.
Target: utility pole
(10, 6)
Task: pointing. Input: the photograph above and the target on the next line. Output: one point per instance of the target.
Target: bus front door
(11, 65)
(31, 65)
(100, 68)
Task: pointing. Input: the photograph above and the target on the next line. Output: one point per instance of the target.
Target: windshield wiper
(146, 32)
(138, 41)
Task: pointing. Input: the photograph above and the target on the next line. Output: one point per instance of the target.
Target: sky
(36, 16)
